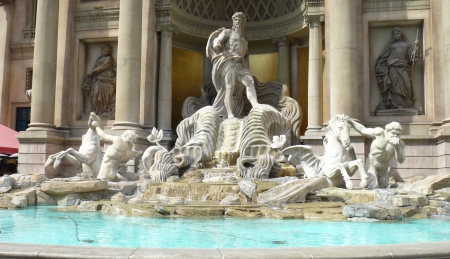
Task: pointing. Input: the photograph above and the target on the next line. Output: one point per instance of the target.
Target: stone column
(129, 65)
(208, 71)
(44, 66)
(293, 66)
(165, 81)
(446, 57)
(63, 69)
(149, 66)
(343, 57)
(315, 82)
(283, 60)
(6, 19)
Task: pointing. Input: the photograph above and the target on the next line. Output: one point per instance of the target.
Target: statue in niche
(393, 71)
(228, 51)
(386, 144)
(100, 84)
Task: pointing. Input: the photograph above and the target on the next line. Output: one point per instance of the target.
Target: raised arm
(102, 134)
(400, 152)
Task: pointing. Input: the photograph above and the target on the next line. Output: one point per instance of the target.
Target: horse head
(339, 128)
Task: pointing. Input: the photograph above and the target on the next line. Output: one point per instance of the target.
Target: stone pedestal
(35, 147)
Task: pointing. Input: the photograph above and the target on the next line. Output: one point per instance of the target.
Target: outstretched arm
(367, 132)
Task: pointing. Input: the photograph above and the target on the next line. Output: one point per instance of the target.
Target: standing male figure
(386, 144)
(228, 50)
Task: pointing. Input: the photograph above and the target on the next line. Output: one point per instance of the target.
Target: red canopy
(8, 143)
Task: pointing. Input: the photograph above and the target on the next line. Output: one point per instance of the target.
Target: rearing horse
(339, 162)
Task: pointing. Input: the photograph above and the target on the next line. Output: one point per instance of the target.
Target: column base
(37, 126)
(313, 131)
(126, 125)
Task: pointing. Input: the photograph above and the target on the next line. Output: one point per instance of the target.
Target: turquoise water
(45, 226)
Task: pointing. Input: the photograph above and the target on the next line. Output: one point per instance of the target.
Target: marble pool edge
(410, 251)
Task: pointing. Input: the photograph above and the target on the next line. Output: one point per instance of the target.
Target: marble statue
(228, 51)
(386, 144)
(393, 71)
(100, 84)
(89, 156)
(339, 162)
(117, 155)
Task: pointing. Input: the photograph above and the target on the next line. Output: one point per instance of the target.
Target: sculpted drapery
(393, 72)
(101, 84)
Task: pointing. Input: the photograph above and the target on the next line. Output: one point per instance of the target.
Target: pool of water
(39, 225)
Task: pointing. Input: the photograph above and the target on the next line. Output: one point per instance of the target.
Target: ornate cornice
(260, 30)
(22, 51)
(394, 5)
(97, 19)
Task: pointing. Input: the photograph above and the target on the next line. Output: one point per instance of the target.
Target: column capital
(310, 20)
(167, 28)
(284, 40)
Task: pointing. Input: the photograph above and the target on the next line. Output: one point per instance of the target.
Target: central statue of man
(228, 51)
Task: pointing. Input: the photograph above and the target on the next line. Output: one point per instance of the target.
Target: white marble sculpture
(228, 51)
(338, 163)
(385, 145)
(89, 156)
(117, 155)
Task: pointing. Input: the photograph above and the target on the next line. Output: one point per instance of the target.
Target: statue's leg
(230, 81)
(250, 88)
(347, 178)
(51, 158)
(354, 166)
(74, 157)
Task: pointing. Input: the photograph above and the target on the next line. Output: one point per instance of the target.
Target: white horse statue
(89, 156)
(338, 164)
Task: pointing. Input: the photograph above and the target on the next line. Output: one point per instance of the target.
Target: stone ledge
(428, 250)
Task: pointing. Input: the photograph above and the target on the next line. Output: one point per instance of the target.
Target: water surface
(41, 225)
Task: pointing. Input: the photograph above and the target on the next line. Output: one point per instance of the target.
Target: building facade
(134, 62)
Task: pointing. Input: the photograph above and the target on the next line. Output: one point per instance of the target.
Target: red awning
(8, 143)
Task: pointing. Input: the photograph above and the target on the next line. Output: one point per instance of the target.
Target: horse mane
(332, 124)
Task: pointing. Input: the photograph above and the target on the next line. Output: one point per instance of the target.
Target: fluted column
(129, 65)
(446, 57)
(6, 28)
(283, 60)
(64, 53)
(165, 80)
(315, 82)
(343, 57)
(44, 66)
(149, 66)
